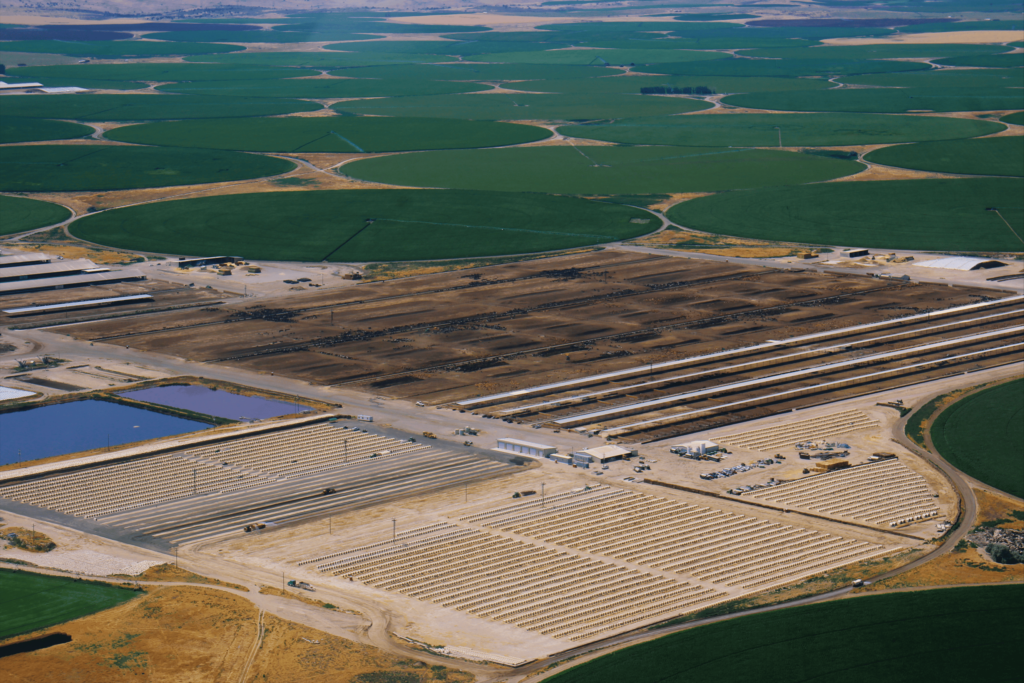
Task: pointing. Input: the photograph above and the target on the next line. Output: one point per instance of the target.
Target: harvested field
(525, 324)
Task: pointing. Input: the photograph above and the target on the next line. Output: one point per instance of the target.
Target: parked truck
(301, 584)
(254, 527)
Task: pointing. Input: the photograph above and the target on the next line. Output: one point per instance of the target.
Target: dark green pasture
(945, 27)
(63, 168)
(884, 100)
(633, 84)
(1017, 118)
(477, 72)
(987, 156)
(890, 638)
(322, 88)
(118, 48)
(320, 60)
(18, 214)
(160, 72)
(259, 36)
(601, 169)
(1000, 61)
(34, 601)
(507, 107)
(954, 79)
(614, 57)
(329, 134)
(365, 225)
(932, 215)
(148, 107)
(981, 435)
(781, 68)
(38, 130)
(795, 130)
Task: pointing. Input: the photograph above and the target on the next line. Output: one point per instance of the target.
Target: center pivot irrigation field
(982, 436)
(62, 168)
(365, 225)
(18, 214)
(602, 170)
(767, 130)
(903, 214)
(330, 134)
(881, 638)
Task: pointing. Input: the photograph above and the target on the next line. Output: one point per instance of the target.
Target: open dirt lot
(448, 336)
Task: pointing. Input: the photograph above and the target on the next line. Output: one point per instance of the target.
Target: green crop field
(763, 130)
(34, 601)
(884, 100)
(329, 134)
(524, 107)
(617, 57)
(258, 36)
(148, 107)
(1000, 61)
(952, 79)
(476, 72)
(111, 49)
(934, 215)
(981, 435)
(365, 225)
(161, 72)
(18, 214)
(38, 130)
(929, 635)
(602, 170)
(1017, 118)
(325, 60)
(322, 88)
(64, 168)
(781, 68)
(633, 84)
(987, 156)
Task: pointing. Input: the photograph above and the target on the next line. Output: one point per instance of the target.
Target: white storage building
(536, 450)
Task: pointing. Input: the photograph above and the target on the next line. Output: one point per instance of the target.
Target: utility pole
(780, 135)
(394, 532)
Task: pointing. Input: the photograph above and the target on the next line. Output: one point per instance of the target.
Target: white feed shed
(695, 448)
(603, 454)
(537, 450)
(961, 263)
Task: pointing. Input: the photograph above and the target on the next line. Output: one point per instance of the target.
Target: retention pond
(80, 426)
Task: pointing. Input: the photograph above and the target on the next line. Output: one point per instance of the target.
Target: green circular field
(601, 169)
(884, 100)
(500, 107)
(982, 435)
(881, 638)
(85, 107)
(63, 168)
(934, 215)
(1017, 118)
(365, 225)
(986, 156)
(322, 88)
(162, 72)
(633, 84)
(39, 130)
(337, 134)
(797, 130)
(18, 214)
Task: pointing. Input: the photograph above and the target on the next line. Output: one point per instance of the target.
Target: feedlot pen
(450, 337)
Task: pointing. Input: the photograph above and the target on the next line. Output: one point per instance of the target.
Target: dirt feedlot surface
(449, 336)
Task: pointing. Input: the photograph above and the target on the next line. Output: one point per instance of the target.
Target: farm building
(535, 450)
(961, 263)
(695, 448)
(603, 454)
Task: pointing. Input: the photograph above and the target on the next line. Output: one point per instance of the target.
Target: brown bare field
(396, 269)
(194, 634)
(447, 336)
(993, 506)
(297, 594)
(951, 37)
(70, 250)
(685, 240)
